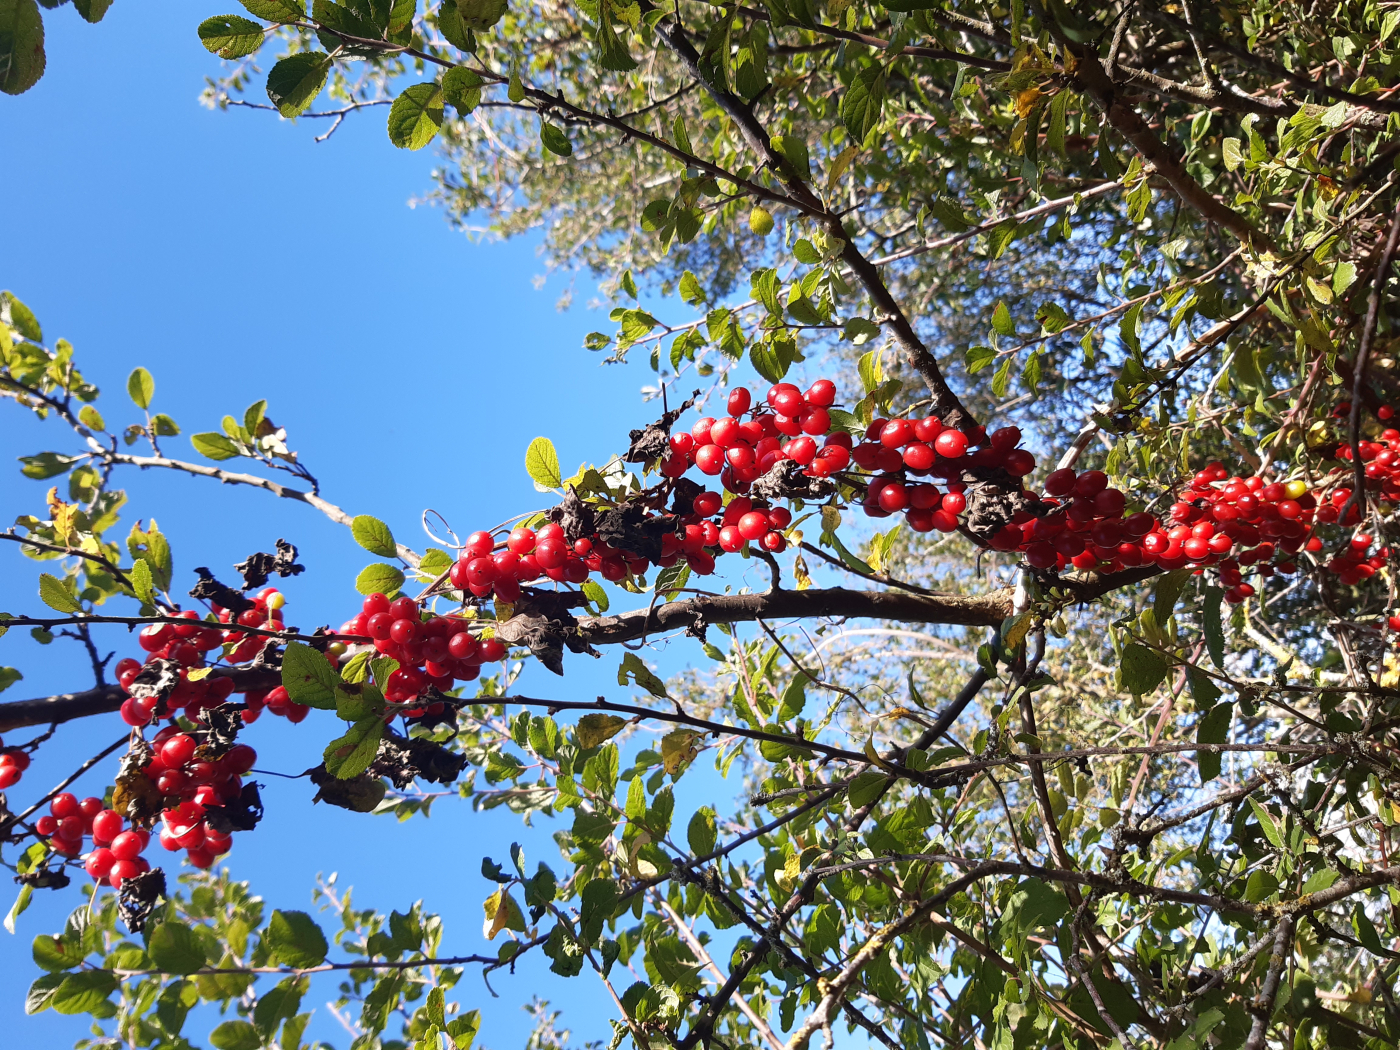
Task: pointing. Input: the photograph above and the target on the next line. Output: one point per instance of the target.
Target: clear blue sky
(237, 259)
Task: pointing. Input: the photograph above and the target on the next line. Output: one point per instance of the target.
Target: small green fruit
(761, 220)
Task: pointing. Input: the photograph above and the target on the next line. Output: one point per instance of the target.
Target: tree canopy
(1042, 354)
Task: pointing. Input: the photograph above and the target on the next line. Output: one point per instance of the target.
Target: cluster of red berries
(187, 644)
(13, 763)
(741, 451)
(179, 774)
(433, 651)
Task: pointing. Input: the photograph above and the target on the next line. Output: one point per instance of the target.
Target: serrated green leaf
(296, 80)
(54, 594)
(1001, 320)
(863, 102)
(230, 36)
(350, 755)
(295, 940)
(174, 948)
(374, 536)
(308, 676)
(276, 10)
(214, 445)
(21, 57)
(555, 140)
(1143, 669)
(142, 387)
(415, 116)
(379, 579)
(542, 464)
(593, 591)
(461, 89)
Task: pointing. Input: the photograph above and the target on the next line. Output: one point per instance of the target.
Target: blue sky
(236, 258)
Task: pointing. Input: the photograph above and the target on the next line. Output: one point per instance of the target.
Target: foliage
(1152, 236)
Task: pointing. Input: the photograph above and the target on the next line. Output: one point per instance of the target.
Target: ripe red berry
(951, 444)
(492, 650)
(821, 394)
(710, 459)
(178, 750)
(127, 846)
(521, 541)
(99, 863)
(64, 805)
(739, 401)
(708, 504)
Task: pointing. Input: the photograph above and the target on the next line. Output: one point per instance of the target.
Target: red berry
(178, 750)
(106, 826)
(951, 444)
(64, 805)
(127, 846)
(99, 863)
(739, 401)
(822, 393)
(492, 650)
(1060, 482)
(710, 459)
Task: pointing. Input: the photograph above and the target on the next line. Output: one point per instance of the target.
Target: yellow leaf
(593, 730)
(1026, 100)
(502, 913)
(678, 747)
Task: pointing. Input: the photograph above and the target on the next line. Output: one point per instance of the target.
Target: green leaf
(277, 1004)
(866, 788)
(555, 140)
(1232, 153)
(90, 417)
(461, 89)
(276, 10)
(542, 464)
(379, 579)
(1142, 669)
(793, 149)
(56, 596)
(515, 90)
(1167, 593)
(295, 940)
(214, 445)
(164, 426)
(596, 729)
(1055, 130)
(415, 116)
(863, 102)
(26, 891)
(55, 953)
(593, 591)
(308, 676)
(21, 53)
(690, 289)
(142, 388)
(295, 81)
(702, 833)
(1213, 728)
(175, 949)
(46, 465)
(40, 995)
(374, 536)
(83, 992)
(669, 581)
(633, 668)
(235, 1035)
(141, 580)
(230, 36)
(350, 755)
(1266, 824)
(1210, 622)
(1001, 320)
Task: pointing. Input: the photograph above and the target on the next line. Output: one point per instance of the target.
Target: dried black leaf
(242, 814)
(652, 442)
(629, 529)
(45, 879)
(786, 480)
(683, 494)
(210, 589)
(158, 678)
(573, 515)
(222, 724)
(360, 794)
(138, 897)
(257, 567)
(544, 625)
(404, 760)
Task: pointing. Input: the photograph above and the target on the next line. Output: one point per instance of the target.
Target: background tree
(1038, 800)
